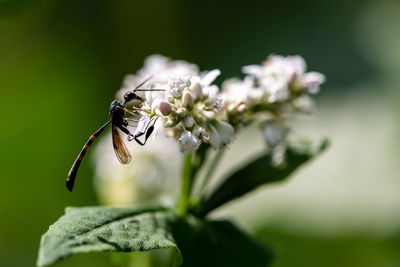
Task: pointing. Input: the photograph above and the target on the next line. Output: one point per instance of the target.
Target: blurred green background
(61, 63)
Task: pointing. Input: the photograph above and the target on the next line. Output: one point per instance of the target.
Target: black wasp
(119, 122)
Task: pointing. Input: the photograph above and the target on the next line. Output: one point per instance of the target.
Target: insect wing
(120, 149)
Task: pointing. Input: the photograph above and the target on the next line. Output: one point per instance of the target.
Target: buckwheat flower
(213, 137)
(225, 131)
(160, 68)
(312, 81)
(177, 85)
(188, 142)
(181, 112)
(278, 76)
(188, 122)
(205, 83)
(214, 102)
(274, 133)
(304, 104)
(197, 90)
(237, 92)
(200, 132)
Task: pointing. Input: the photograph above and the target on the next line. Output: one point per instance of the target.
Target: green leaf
(216, 244)
(259, 172)
(101, 229)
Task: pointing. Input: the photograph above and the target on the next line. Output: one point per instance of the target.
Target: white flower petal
(275, 133)
(213, 137)
(210, 77)
(188, 142)
(312, 81)
(225, 131)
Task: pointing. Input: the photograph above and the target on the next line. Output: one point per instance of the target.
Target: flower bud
(187, 99)
(274, 133)
(181, 112)
(165, 108)
(225, 131)
(188, 122)
(197, 91)
(241, 108)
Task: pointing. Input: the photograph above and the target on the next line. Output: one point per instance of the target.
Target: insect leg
(148, 132)
(128, 111)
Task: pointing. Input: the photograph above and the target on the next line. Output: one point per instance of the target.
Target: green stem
(187, 181)
(211, 170)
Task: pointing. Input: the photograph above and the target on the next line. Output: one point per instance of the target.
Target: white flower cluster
(279, 80)
(188, 106)
(271, 88)
(193, 110)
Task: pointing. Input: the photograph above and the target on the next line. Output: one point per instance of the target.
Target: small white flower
(177, 85)
(312, 81)
(188, 122)
(276, 75)
(305, 104)
(202, 86)
(188, 142)
(200, 132)
(274, 133)
(235, 91)
(225, 132)
(197, 90)
(214, 102)
(213, 137)
(181, 112)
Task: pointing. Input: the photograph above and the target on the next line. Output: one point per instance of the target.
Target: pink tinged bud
(241, 108)
(187, 99)
(165, 108)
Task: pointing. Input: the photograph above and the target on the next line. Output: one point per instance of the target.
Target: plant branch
(187, 181)
(211, 170)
